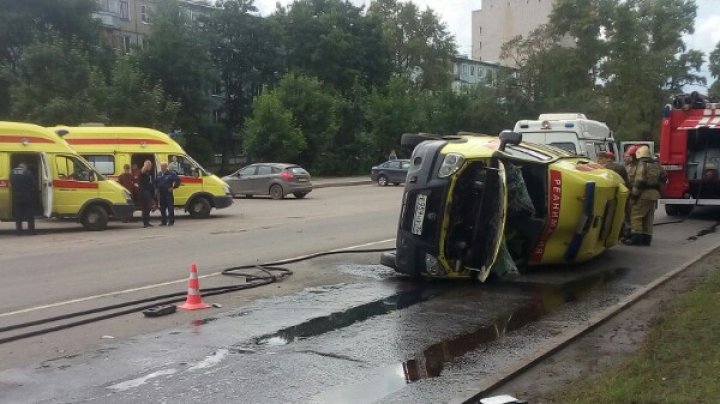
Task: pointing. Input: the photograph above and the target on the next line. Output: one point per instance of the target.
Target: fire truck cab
(690, 153)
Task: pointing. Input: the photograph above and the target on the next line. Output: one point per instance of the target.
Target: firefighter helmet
(642, 152)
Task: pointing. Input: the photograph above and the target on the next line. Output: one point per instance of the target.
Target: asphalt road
(341, 329)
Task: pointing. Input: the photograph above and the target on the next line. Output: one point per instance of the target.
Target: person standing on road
(25, 196)
(645, 192)
(630, 168)
(166, 182)
(146, 183)
(127, 180)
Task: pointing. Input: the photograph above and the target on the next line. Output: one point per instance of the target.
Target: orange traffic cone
(194, 299)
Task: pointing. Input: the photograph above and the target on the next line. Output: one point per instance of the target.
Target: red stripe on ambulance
(554, 199)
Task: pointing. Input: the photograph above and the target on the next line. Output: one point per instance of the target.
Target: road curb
(342, 184)
(560, 341)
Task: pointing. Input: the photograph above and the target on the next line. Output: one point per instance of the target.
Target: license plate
(302, 179)
(419, 218)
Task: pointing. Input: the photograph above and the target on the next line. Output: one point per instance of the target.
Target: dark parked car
(274, 179)
(393, 171)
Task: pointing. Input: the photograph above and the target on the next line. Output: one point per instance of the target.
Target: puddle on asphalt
(432, 360)
(335, 321)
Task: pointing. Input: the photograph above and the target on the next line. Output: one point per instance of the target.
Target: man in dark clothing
(146, 183)
(24, 198)
(166, 181)
(126, 180)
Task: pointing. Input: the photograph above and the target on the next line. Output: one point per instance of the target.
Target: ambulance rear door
(46, 183)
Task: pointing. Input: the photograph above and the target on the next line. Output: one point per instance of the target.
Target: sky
(457, 14)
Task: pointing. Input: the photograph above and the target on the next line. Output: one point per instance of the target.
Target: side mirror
(508, 137)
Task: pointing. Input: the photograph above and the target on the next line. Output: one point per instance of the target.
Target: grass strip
(679, 362)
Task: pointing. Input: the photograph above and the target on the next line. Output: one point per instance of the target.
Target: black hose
(253, 281)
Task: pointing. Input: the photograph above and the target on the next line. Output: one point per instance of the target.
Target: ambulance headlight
(432, 266)
(451, 163)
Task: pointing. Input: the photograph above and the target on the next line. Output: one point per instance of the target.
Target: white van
(570, 131)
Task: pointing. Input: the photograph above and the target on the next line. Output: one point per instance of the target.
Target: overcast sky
(457, 14)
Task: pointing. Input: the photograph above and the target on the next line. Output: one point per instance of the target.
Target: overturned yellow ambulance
(476, 205)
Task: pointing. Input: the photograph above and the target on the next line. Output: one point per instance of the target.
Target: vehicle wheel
(95, 218)
(678, 210)
(276, 192)
(300, 195)
(199, 208)
(382, 181)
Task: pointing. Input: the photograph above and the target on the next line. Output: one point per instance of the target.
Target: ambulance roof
(115, 138)
(17, 136)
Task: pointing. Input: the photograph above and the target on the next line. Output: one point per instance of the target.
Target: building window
(126, 43)
(472, 70)
(479, 30)
(479, 45)
(145, 14)
(124, 11)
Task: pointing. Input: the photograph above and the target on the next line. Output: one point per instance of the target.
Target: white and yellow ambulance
(108, 149)
(68, 186)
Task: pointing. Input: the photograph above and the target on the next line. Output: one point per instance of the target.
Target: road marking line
(157, 285)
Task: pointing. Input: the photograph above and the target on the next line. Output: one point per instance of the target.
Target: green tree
(398, 109)
(714, 67)
(243, 48)
(25, 22)
(133, 101)
(56, 84)
(315, 112)
(333, 41)
(178, 58)
(270, 134)
(421, 44)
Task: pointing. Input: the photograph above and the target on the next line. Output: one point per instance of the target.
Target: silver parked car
(274, 179)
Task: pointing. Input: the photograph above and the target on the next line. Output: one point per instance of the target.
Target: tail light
(286, 175)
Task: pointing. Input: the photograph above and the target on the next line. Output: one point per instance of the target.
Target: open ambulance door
(46, 185)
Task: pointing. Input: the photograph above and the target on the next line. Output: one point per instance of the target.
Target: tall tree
(270, 134)
(133, 101)
(714, 67)
(334, 41)
(422, 47)
(178, 58)
(244, 49)
(25, 22)
(56, 84)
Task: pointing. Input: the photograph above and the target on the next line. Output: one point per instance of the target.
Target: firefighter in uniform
(630, 168)
(646, 183)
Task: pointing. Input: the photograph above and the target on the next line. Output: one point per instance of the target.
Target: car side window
(275, 170)
(72, 169)
(247, 171)
(394, 164)
(264, 170)
(405, 165)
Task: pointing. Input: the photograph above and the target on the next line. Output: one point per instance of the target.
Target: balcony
(109, 19)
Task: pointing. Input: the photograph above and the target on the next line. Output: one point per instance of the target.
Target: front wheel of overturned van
(94, 218)
(199, 208)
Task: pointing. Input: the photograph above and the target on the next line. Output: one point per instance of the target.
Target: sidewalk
(326, 182)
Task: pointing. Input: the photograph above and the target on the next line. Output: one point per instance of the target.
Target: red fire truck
(690, 153)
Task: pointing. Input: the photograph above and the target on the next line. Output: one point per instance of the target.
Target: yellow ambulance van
(68, 186)
(108, 149)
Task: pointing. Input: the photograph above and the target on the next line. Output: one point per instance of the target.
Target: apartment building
(126, 23)
(498, 21)
(468, 73)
